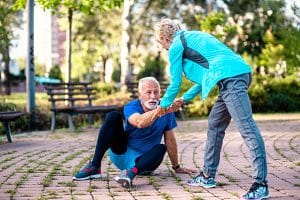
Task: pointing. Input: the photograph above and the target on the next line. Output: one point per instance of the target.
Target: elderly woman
(207, 62)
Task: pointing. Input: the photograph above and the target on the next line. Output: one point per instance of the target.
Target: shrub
(116, 75)
(104, 89)
(153, 67)
(55, 72)
(266, 95)
(275, 95)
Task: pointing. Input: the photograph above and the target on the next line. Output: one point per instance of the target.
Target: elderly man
(135, 147)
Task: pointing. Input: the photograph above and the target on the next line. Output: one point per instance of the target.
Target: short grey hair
(147, 79)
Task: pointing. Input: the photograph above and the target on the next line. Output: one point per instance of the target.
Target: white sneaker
(124, 179)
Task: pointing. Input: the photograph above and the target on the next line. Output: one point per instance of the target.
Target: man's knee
(161, 148)
(114, 116)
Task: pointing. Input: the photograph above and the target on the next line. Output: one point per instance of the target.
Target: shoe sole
(202, 185)
(123, 182)
(95, 176)
(263, 198)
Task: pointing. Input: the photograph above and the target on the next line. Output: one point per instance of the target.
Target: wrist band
(175, 167)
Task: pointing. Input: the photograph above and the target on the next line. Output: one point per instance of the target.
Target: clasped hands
(175, 106)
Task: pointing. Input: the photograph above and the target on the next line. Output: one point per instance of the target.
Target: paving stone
(32, 161)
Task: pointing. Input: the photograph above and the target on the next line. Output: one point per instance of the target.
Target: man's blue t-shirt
(143, 139)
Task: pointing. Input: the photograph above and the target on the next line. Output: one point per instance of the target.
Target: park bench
(74, 98)
(132, 88)
(6, 118)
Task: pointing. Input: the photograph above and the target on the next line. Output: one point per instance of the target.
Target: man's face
(149, 95)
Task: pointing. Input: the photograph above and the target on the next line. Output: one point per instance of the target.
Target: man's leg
(111, 135)
(235, 95)
(218, 121)
(150, 160)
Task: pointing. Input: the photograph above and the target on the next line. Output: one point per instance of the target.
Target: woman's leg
(235, 96)
(218, 121)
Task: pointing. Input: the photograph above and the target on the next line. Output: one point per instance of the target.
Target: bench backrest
(70, 94)
(132, 88)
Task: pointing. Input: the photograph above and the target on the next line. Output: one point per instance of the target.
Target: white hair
(166, 27)
(147, 79)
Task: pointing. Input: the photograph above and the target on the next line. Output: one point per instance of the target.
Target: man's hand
(159, 111)
(183, 170)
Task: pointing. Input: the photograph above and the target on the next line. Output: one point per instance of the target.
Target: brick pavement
(40, 165)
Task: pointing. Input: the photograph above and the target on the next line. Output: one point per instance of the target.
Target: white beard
(151, 106)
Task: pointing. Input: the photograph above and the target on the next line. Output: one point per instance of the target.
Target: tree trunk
(102, 71)
(6, 79)
(68, 77)
(126, 68)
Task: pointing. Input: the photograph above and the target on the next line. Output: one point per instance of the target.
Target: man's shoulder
(135, 102)
(133, 106)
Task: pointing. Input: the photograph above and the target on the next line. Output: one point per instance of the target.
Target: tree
(96, 42)
(9, 19)
(69, 7)
(125, 42)
(256, 18)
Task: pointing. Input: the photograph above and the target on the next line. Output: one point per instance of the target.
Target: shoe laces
(197, 178)
(255, 186)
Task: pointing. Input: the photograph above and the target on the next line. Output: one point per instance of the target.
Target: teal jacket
(204, 60)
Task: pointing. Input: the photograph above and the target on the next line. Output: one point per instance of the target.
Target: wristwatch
(175, 167)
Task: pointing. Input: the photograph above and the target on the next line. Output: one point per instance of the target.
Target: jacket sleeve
(175, 58)
(192, 92)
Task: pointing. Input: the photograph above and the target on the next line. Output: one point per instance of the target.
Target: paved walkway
(40, 165)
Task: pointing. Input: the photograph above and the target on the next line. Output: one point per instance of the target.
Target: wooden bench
(74, 98)
(132, 88)
(6, 118)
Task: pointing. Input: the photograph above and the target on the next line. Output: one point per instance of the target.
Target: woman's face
(165, 42)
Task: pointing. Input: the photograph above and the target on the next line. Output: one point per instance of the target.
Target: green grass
(21, 98)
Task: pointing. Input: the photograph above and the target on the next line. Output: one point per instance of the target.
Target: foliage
(153, 67)
(116, 75)
(255, 18)
(96, 41)
(220, 26)
(275, 95)
(271, 56)
(69, 7)
(104, 89)
(9, 18)
(39, 69)
(289, 38)
(55, 72)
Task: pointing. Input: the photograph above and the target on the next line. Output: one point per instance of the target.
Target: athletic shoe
(146, 173)
(124, 179)
(88, 172)
(257, 191)
(200, 180)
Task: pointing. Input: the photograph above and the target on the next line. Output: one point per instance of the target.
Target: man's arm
(146, 119)
(171, 144)
(142, 120)
(170, 141)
